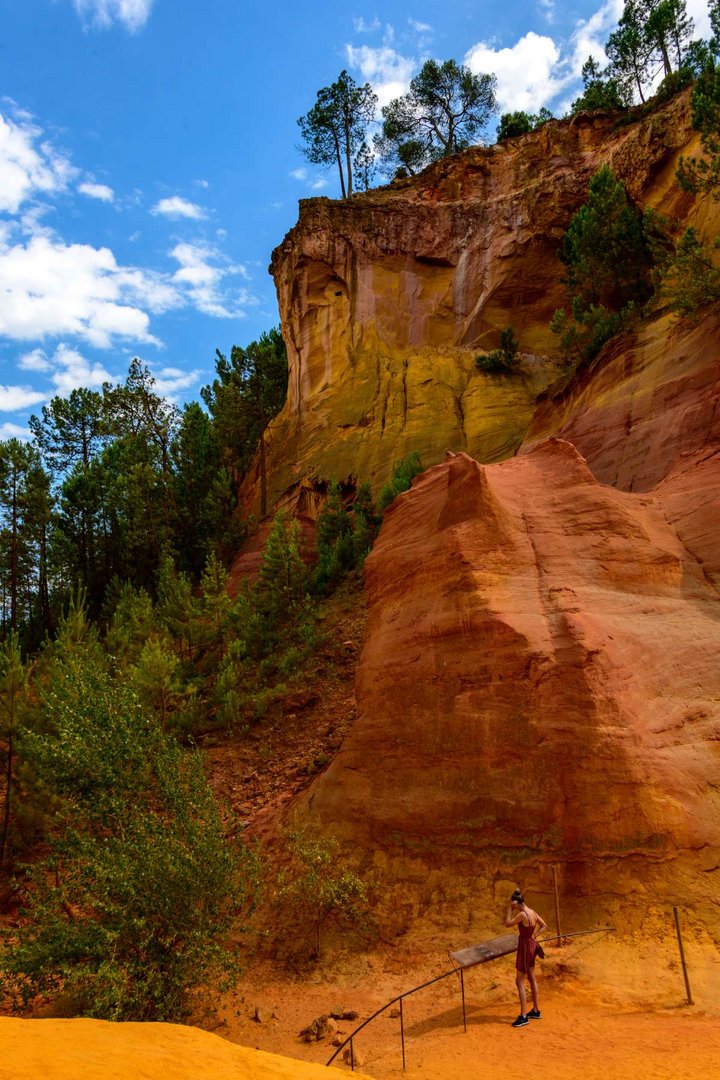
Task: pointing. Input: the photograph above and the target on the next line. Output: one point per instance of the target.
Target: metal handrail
(387, 1005)
(438, 978)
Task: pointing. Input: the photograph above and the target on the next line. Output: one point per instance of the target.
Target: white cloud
(132, 14)
(202, 183)
(319, 184)
(591, 34)
(528, 74)
(49, 288)
(386, 69)
(13, 398)
(363, 26)
(72, 371)
(169, 381)
(97, 191)
(420, 27)
(699, 11)
(299, 174)
(34, 361)
(14, 431)
(27, 169)
(547, 7)
(202, 277)
(177, 207)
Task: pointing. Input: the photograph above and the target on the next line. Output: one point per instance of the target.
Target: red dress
(527, 947)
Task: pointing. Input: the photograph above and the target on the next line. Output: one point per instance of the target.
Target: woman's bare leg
(534, 988)
(520, 983)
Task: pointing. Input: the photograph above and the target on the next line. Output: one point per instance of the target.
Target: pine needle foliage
(403, 473)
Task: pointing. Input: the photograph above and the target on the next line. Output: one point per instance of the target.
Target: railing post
(352, 1057)
(557, 905)
(462, 991)
(682, 957)
(402, 1032)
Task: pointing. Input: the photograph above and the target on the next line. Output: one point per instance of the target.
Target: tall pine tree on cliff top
(445, 110)
(334, 129)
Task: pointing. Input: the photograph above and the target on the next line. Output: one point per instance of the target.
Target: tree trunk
(8, 783)
(263, 478)
(340, 169)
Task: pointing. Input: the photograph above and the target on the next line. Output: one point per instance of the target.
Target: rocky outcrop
(386, 298)
(650, 400)
(539, 684)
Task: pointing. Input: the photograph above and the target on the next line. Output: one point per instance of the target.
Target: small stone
(337, 1041)
(394, 1013)
(319, 1029)
(358, 1060)
(260, 1015)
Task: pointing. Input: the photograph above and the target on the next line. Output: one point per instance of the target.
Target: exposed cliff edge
(386, 298)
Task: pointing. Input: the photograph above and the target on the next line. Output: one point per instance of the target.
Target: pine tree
(334, 129)
(14, 675)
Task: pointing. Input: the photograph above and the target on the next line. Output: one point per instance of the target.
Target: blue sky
(149, 161)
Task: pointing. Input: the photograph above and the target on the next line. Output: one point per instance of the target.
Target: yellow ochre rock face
(99, 1050)
(387, 298)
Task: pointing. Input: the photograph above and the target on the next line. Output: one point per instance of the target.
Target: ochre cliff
(387, 298)
(539, 684)
(539, 680)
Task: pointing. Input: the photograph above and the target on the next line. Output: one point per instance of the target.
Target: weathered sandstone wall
(539, 684)
(386, 299)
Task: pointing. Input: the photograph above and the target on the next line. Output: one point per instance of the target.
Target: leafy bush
(127, 912)
(344, 537)
(502, 361)
(519, 123)
(605, 248)
(691, 280)
(403, 474)
(585, 330)
(316, 892)
(607, 94)
(672, 84)
(703, 174)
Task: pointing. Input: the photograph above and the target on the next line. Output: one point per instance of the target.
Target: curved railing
(458, 970)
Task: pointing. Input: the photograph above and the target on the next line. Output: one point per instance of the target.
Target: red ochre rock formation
(387, 297)
(539, 682)
(650, 399)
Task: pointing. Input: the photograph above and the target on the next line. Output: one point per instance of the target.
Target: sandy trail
(612, 1012)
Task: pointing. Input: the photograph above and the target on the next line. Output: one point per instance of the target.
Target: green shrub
(691, 280)
(702, 174)
(502, 361)
(403, 474)
(672, 84)
(584, 331)
(605, 249)
(316, 892)
(519, 123)
(344, 537)
(127, 913)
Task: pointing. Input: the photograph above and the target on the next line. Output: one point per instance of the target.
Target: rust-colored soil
(611, 1009)
(258, 772)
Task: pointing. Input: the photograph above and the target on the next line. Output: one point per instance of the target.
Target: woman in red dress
(529, 923)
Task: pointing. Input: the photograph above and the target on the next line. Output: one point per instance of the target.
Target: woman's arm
(513, 920)
(539, 926)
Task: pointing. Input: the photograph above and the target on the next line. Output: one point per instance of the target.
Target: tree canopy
(334, 130)
(446, 109)
(248, 392)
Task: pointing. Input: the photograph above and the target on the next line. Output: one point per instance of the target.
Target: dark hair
(517, 896)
